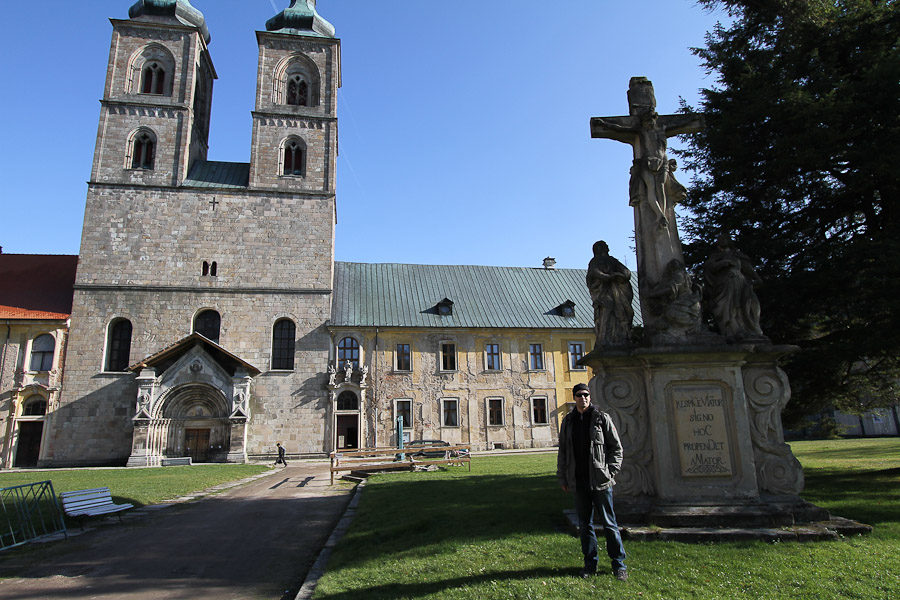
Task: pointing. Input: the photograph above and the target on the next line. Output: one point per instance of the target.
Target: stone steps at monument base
(809, 532)
(765, 512)
(822, 529)
(753, 515)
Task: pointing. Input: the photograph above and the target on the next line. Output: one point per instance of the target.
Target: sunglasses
(582, 395)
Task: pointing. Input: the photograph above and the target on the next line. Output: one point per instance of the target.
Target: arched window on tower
(283, 344)
(294, 151)
(118, 345)
(208, 323)
(297, 91)
(297, 81)
(151, 71)
(348, 351)
(42, 350)
(143, 150)
(153, 78)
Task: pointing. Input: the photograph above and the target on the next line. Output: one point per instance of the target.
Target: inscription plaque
(701, 431)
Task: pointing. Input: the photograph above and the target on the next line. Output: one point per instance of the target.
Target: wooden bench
(372, 459)
(91, 503)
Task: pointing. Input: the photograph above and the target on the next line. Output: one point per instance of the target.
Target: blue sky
(464, 134)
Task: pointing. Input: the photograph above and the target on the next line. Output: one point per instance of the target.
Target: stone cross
(653, 189)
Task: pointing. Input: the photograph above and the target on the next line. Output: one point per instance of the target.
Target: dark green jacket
(606, 451)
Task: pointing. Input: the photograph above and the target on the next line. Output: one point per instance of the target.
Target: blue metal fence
(29, 512)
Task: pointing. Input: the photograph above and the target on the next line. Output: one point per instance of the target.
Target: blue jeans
(598, 503)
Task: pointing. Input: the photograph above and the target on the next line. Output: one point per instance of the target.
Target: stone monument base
(700, 424)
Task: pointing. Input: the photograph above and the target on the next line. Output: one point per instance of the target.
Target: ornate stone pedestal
(699, 413)
(701, 426)
(237, 449)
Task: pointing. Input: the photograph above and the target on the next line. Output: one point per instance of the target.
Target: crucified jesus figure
(652, 177)
(653, 189)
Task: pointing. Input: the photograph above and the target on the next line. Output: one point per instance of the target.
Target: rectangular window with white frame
(492, 357)
(450, 412)
(495, 411)
(535, 357)
(576, 352)
(403, 356)
(539, 414)
(448, 356)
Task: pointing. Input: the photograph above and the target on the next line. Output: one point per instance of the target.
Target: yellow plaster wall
(472, 384)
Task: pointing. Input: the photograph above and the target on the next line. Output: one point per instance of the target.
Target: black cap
(580, 386)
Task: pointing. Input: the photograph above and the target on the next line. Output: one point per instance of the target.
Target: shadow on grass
(411, 515)
(423, 589)
(856, 494)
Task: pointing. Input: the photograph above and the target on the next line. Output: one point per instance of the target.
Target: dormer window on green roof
(445, 307)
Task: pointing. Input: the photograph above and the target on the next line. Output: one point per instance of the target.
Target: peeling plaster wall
(18, 382)
(472, 384)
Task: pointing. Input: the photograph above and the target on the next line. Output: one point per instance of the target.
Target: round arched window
(347, 401)
(35, 406)
(207, 323)
(42, 349)
(118, 345)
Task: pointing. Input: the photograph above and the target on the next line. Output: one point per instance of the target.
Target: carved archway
(191, 420)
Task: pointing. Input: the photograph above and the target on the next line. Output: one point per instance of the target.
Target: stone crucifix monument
(699, 413)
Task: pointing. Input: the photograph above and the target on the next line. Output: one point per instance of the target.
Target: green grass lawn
(498, 532)
(137, 486)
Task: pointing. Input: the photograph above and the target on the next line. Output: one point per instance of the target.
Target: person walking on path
(590, 455)
(280, 458)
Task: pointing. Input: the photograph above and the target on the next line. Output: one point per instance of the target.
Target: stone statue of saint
(348, 370)
(675, 302)
(609, 283)
(331, 374)
(730, 277)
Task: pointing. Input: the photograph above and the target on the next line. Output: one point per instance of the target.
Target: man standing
(590, 455)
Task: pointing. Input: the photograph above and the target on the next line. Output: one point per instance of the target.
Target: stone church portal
(192, 400)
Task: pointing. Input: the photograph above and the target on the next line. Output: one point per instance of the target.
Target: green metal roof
(215, 174)
(402, 295)
(301, 18)
(179, 11)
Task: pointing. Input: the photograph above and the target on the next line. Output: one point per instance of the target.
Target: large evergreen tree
(800, 163)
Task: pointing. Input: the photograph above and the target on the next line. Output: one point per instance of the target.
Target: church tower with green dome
(204, 287)
(295, 121)
(158, 95)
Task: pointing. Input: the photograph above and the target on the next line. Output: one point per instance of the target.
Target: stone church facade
(203, 314)
(174, 243)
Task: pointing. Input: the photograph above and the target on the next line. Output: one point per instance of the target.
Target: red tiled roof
(12, 312)
(36, 286)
